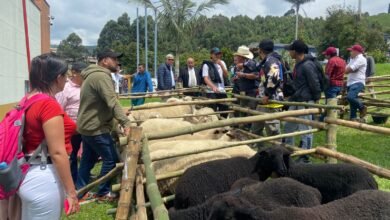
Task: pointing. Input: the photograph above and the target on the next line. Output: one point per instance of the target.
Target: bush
(379, 56)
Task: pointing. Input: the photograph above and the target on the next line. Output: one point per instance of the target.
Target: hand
(126, 131)
(240, 66)
(240, 74)
(265, 100)
(215, 89)
(73, 203)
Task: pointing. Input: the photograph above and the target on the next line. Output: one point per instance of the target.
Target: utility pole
(137, 38)
(146, 38)
(155, 42)
(360, 9)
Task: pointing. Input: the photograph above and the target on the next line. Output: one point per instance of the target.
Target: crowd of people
(80, 110)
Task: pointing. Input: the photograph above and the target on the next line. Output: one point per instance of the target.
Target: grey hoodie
(98, 103)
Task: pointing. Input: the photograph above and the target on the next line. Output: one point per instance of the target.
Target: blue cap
(215, 50)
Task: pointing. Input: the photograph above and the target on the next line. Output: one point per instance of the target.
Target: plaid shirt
(335, 70)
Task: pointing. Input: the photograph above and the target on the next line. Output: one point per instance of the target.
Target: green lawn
(371, 147)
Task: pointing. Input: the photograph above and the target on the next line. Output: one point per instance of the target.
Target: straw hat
(244, 51)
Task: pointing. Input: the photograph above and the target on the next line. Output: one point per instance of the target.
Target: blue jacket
(142, 82)
(164, 78)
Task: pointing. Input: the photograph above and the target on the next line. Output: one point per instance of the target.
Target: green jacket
(98, 103)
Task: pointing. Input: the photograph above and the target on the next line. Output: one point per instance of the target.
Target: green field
(371, 147)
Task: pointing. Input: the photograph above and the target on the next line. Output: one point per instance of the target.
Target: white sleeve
(205, 70)
(224, 64)
(359, 63)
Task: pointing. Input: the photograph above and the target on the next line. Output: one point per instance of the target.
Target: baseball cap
(215, 50)
(330, 51)
(108, 53)
(267, 45)
(298, 46)
(356, 47)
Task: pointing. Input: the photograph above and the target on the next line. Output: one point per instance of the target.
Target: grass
(373, 148)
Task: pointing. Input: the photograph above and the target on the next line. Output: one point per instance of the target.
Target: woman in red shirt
(44, 188)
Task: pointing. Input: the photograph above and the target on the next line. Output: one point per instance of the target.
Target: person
(370, 70)
(69, 100)
(190, 77)
(307, 89)
(98, 107)
(272, 68)
(356, 71)
(45, 188)
(334, 69)
(213, 73)
(118, 80)
(142, 82)
(166, 74)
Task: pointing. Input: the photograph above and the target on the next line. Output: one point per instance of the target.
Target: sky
(87, 17)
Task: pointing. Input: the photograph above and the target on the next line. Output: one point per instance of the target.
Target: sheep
(334, 181)
(196, 119)
(366, 204)
(270, 195)
(165, 148)
(211, 178)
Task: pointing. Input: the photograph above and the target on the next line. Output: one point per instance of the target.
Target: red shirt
(335, 70)
(36, 116)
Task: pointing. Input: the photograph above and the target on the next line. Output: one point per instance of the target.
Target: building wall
(13, 55)
(45, 25)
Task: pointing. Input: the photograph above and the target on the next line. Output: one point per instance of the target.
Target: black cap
(298, 46)
(215, 50)
(267, 45)
(78, 66)
(108, 53)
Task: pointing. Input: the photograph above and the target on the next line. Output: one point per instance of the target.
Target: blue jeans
(136, 102)
(289, 127)
(76, 142)
(332, 92)
(353, 99)
(93, 147)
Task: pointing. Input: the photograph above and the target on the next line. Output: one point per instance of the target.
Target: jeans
(93, 147)
(352, 97)
(136, 102)
(76, 142)
(289, 127)
(332, 92)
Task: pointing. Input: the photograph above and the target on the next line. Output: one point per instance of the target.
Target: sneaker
(363, 111)
(87, 197)
(109, 197)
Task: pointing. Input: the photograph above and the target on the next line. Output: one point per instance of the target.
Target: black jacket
(213, 72)
(184, 77)
(306, 81)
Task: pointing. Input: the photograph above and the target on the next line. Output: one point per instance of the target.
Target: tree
(72, 49)
(178, 18)
(297, 4)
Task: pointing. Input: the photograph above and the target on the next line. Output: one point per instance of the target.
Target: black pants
(218, 107)
(76, 142)
(194, 94)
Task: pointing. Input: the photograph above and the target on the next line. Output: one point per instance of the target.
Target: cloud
(87, 17)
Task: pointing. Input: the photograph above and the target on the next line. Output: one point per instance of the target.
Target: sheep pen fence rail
(138, 174)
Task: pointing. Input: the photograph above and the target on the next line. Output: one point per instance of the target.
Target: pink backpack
(13, 165)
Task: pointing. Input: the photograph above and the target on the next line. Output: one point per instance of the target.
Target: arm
(150, 83)
(224, 69)
(106, 92)
(311, 74)
(355, 65)
(55, 138)
(206, 78)
(330, 68)
(160, 80)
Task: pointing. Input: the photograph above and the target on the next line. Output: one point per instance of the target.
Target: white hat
(243, 51)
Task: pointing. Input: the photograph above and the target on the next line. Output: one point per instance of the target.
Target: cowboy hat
(243, 51)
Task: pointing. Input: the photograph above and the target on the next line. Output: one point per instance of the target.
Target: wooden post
(141, 210)
(159, 210)
(331, 133)
(128, 177)
(241, 114)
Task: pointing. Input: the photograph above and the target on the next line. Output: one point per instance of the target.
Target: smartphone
(66, 206)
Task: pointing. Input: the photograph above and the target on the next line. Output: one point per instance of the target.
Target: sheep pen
(153, 179)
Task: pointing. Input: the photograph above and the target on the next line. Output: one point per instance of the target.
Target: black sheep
(362, 205)
(270, 195)
(201, 182)
(243, 182)
(334, 181)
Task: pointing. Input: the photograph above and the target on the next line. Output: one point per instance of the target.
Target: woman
(45, 188)
(69, 99)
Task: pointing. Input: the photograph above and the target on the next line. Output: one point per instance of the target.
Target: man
(165, 74)
(246, 73)
(307, 89)
(334, 69)
(272, 68)
(118, 79)
(142, 82)
(213, 73)
(356, 70)
(190, 77)
(98, 107)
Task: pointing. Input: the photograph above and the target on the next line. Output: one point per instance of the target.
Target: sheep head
(272, 160)
(231, 208)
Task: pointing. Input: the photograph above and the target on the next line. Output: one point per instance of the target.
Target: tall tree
(178, 18)
(297, 5)
(72, 48)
